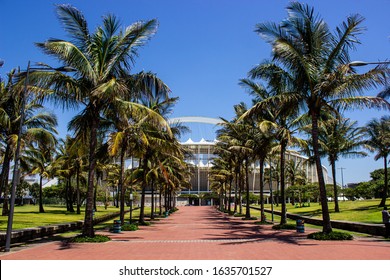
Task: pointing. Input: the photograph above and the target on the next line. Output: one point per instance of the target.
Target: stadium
(203, 128)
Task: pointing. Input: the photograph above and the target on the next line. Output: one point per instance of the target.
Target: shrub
(96, 239)
(251, 218)
(284, 226)
(130, 227)
(239, 215)
(264, 223)
(334, 235)
(145, 224)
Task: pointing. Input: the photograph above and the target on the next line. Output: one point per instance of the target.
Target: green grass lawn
(365, 211)
(28, 216)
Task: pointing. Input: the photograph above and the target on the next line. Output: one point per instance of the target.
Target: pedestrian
(386, 221)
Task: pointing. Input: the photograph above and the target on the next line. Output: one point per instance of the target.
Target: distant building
(202, 161)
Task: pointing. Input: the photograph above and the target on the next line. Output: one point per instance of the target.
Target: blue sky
(201, 49)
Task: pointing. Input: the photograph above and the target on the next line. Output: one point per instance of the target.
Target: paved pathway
(202, 233)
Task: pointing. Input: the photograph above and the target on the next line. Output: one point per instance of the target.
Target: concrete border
(28, 234)
(373, 229)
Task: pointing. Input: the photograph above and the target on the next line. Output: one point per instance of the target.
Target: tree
(263, 137)
(102, 62)
(39, 157)
(340, 137)
(38, 124)
(378, 132)
(323, 79)
(239, 136)
(280, 115)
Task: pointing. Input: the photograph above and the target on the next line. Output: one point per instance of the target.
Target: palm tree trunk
(230, 195)
(248, 209)
(78, 191)
(4, 179)
(386, 187)
(152, 210)
(336, 199)
(262, 214)
(95, 192)
(143, 190)
(283, 147)
(70, 196)
(88, 219)
(67, 193)
(326, 225)
(160, 200)
(41, 210)
(240, 192)
(235, 191)
(122, 185)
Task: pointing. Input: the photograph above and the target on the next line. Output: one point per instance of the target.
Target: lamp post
(131, 206)
(342, 177)
(342, 180)
(364, 63)
(15, 174)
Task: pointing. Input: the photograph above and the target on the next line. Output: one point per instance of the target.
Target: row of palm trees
(308, 83)
(304, 89)
(122, 115)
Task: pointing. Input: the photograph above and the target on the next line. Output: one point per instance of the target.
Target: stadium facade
(201, 162)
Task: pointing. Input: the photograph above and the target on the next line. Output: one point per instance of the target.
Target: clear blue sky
(201, 49)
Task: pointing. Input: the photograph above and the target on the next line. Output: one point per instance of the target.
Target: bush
(96, 239)
(264, 223)
(334, 235)
(284, 226)
(130, 227)
(251, 218)
(239, 215)
(145, 224)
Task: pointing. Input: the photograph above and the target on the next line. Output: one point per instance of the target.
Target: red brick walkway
(202, 233)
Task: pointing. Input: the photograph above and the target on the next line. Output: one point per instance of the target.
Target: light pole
(364, 63)
(342, 177)
(15, 174)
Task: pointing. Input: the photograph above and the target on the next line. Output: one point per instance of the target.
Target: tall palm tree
(279, 116)
(378, 132)
(340, 137)
(295, 173)
(38, 124)
(123, 143)
(102, 61)
(239, 136)
(39, 157)
(318, 58)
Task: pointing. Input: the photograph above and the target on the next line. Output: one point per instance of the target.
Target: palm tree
(123, 143)
(39, 157)
(295, 174)
(378, 132)
(38, 124)
(239, 137)
(318, 59)
(279, 116)
(340, 137)
(102, 62)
